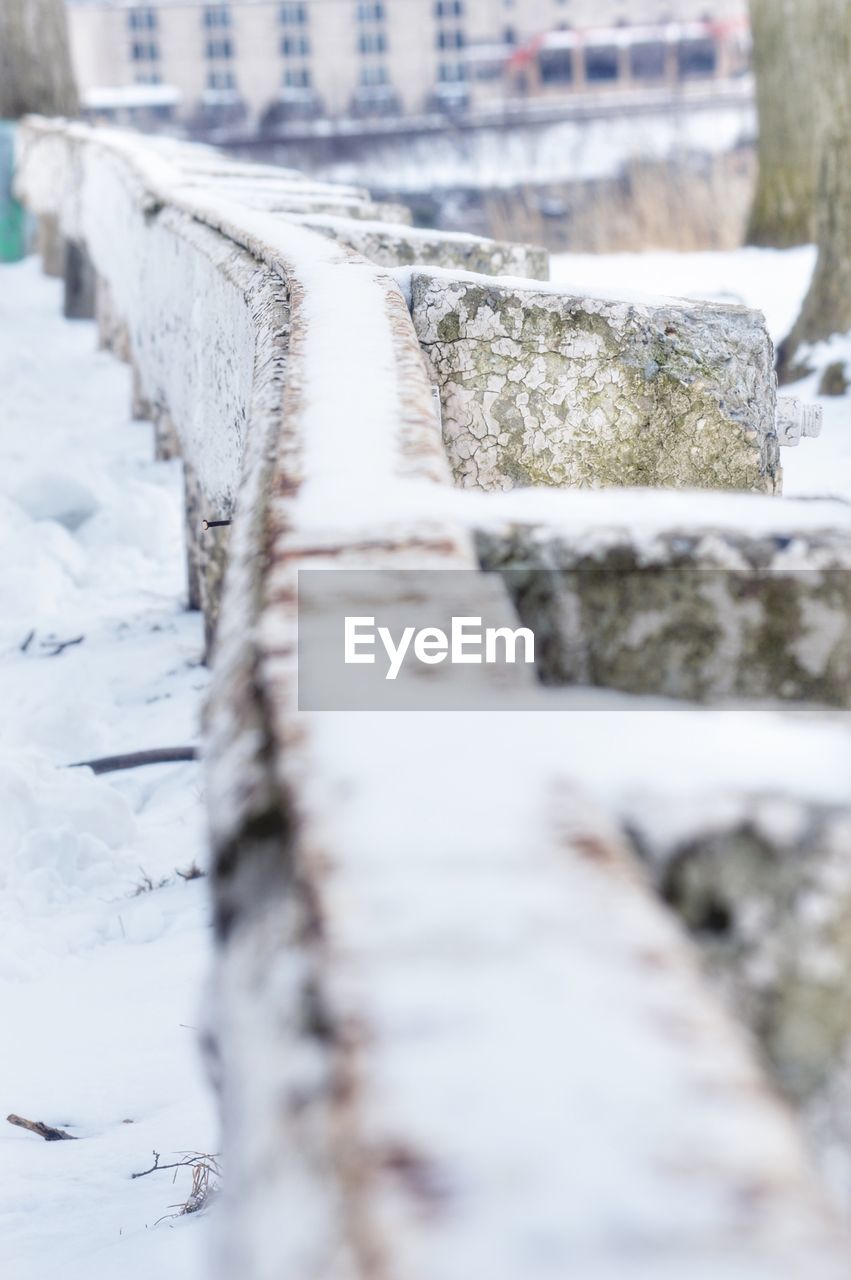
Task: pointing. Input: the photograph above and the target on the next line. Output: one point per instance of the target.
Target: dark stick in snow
(43, 1130)
(136, 759)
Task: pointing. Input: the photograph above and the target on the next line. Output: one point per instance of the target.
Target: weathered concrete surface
(50, 245)
(763, 882)
(542, 388)
(703, 614)
(391, 245)
(765, 885)
(113, 334)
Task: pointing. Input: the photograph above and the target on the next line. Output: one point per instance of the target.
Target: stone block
(395, 245)
(540, 387)
(702, 614)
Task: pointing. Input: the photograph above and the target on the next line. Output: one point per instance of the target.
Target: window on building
(148, 77)
(295, 47)
(372, 42)
(144, 51)
(451, 72)
(293, 15)
(449, 8)
(297, 78)
(696, 58)
(555, 66)
(224, 81)
(450, 39)
(373, 76)
(371, 12)
(647, 61)
(488, 71)
(601, 64)
(142, 19)
(220, 48)
(216, 16)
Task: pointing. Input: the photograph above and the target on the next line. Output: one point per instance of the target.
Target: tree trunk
(783, 212)
(35, 60)
(827, 306)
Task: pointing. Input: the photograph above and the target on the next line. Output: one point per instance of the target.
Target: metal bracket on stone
(795, 419)
(438, 408)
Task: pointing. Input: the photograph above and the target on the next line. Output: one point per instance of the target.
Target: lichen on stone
(540, 388)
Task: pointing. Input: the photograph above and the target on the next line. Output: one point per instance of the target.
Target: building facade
(262, 63)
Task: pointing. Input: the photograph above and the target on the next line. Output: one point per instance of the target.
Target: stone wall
(541, 388)
(705, 614)
(458, 1034)
(400, 246)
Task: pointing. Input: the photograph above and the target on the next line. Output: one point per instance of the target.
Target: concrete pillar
(50, 247)
(79, 282)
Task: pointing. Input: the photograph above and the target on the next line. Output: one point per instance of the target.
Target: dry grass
(206, 1180)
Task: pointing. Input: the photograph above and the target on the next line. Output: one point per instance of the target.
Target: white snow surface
(100, 988)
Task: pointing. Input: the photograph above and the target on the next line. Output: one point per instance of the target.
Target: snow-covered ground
(100, 984)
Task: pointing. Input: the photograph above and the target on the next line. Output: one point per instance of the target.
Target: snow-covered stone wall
(539, 387)
(702, 613)
(458, 1033)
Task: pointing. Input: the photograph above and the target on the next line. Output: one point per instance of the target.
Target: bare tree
(783, 211)
(35, 59)
(827, 306)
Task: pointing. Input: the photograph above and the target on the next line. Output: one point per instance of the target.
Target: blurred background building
(262, 66)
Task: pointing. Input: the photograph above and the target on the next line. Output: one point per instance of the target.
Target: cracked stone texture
(544, 388)
(400, 246)
(704, 615)
(764, 886)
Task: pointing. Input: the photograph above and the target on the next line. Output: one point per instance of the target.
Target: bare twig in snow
(206, 1177)
(61, 645)
(192, 872)
(146, 884)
